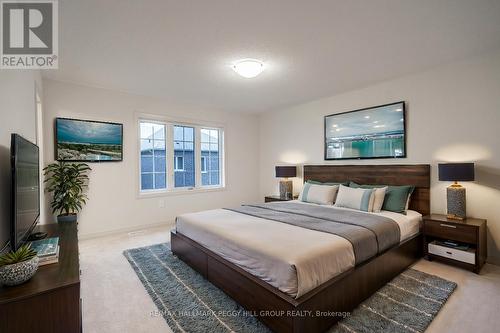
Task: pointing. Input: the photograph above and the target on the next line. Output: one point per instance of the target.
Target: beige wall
(453, 114)
(113, 194)
(17, 115)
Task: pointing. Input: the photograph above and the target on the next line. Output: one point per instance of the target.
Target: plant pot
(71, 218)
(12, 275)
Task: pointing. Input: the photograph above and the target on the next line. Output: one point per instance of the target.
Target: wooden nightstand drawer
(452, 231)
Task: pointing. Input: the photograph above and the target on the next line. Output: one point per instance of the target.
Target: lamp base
(455, 197)
(286, 189)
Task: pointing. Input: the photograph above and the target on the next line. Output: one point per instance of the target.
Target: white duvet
(293, 259)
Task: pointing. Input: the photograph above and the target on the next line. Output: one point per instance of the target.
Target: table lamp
(455, 193)
(286, 186)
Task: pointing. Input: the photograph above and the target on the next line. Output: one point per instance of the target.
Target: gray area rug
(189, 303)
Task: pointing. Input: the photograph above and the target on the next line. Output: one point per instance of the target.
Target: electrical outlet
(161, 203)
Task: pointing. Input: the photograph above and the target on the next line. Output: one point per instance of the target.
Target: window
(184, 151)
(204, 164)
(210, 154)
(179, 163)
(179, 156)
(153, 156)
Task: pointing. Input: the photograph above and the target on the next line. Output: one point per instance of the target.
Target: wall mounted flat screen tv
(375, 132)
(88, 141)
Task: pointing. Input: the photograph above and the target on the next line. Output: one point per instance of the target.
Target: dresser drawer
(460, 255)
(451, 231)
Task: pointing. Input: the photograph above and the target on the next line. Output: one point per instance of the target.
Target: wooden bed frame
(320, 308)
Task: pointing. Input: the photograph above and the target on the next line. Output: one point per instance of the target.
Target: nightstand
(469, 232)
(271, 198)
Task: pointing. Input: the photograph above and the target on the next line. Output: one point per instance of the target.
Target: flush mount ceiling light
(248, 68)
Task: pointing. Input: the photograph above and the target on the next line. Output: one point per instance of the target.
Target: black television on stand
(25, 208)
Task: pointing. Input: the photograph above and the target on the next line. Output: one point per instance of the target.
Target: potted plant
(19, 266)
(67, 182)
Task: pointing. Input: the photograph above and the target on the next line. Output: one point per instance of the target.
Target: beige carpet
(114, 299)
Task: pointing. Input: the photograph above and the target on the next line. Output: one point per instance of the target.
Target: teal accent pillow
(395, 196)
(327, 183)
(305, 191)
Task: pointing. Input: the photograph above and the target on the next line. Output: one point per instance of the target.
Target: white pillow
(408, 202)
(355, 198)
(378, 199)
(318, 194)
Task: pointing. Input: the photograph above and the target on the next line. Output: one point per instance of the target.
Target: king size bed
(299, 267)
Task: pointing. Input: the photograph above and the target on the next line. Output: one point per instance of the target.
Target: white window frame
(176, 166)
(169, 122)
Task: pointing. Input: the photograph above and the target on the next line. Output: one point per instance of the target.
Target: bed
(296, 279)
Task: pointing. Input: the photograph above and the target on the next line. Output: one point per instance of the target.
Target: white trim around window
(172, 166)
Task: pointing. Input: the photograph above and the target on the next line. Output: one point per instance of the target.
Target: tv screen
(375, 132)
(25, 189)
(88, 141)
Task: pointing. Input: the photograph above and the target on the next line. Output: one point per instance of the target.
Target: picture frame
(375, 132)
(79, 140)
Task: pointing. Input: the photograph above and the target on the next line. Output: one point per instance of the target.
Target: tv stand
(50, 300)
(37, 236)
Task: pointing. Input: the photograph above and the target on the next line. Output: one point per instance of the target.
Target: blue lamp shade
(286, 171)
(456, 172)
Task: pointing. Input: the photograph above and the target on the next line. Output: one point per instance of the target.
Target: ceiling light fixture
(248, 68)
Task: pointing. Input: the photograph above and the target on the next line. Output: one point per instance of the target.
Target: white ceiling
(181, 50)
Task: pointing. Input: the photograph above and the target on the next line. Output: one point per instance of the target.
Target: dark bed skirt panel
(277, 309)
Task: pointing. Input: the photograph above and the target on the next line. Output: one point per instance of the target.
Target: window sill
(179, 191)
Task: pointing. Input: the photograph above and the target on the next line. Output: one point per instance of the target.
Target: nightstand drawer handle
(448, 226)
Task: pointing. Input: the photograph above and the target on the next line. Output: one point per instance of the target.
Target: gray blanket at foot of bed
(369, 234)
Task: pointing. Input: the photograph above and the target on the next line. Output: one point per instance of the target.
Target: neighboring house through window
(204, 164)
(210, 153)
(188, 144)
(179, 163)
(184, 173)
(153, 156)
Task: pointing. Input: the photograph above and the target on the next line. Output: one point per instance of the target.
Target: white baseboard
(84, 236)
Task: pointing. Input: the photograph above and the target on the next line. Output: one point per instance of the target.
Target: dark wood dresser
(50, 301)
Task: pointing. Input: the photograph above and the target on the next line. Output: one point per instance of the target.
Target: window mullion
(197, 158)
(169, 144)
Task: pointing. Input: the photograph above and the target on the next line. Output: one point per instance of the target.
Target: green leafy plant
(67, 182)
(24, 253)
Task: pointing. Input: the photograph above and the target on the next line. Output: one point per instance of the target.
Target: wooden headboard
(418, 175)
